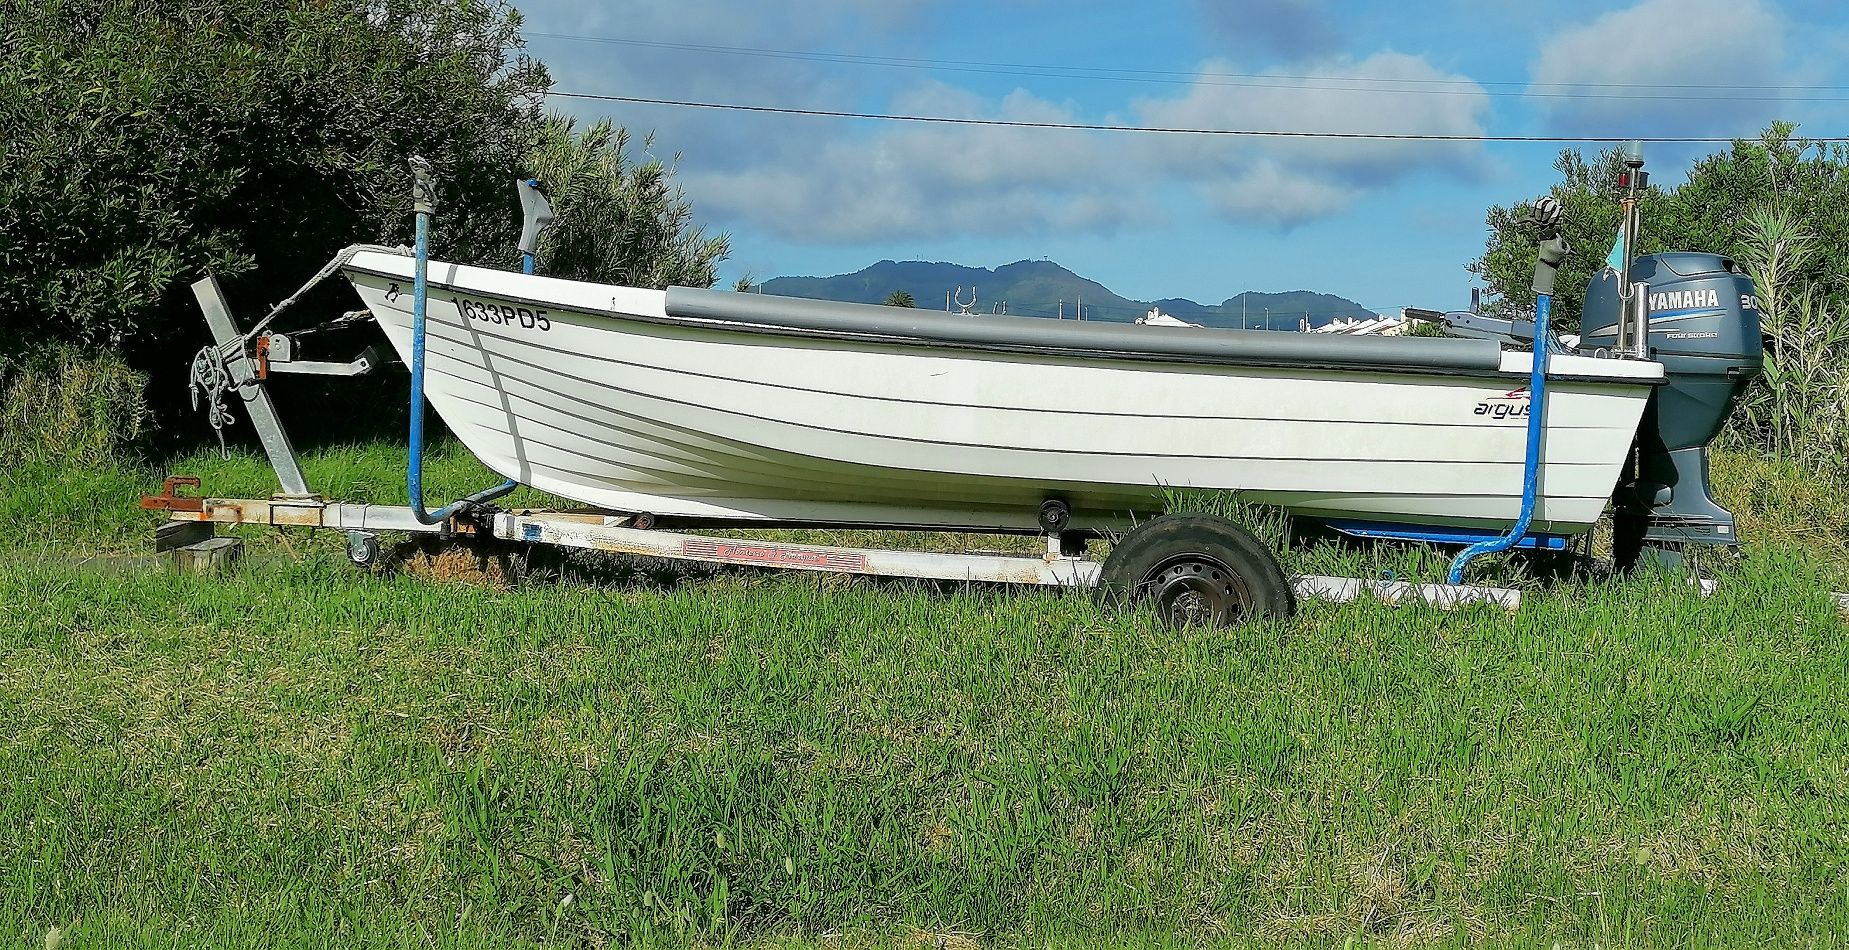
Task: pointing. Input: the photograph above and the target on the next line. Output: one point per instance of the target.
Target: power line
(856, 58)
(1173, 130)
(1373, 84)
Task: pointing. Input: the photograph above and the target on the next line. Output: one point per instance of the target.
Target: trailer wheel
(1196, 569)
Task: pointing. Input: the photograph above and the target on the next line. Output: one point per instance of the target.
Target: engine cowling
(1704, 329)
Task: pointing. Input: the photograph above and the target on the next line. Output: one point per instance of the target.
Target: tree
(1779, 206)
(619, 221)
(1710, 211)
(900, 298)
(1588, 196)
(147, 143)
(142, 145)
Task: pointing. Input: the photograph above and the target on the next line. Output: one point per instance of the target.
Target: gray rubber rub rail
(1091, 339)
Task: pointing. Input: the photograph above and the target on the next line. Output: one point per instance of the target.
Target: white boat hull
(587, 391)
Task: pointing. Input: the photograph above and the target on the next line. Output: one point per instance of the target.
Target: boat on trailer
(693, 408)
(712, 406)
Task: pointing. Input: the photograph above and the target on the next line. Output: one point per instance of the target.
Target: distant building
(1156, 318)
(1370, 326)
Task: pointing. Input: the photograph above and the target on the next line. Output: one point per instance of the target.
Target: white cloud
(1270, 194)
(655, 55)
(1285, 181)
(1668, 42)
(822, 180)
(929, 180)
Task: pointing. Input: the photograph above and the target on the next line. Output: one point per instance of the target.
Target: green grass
(1781, 504)
(94, 508)
(299, 754)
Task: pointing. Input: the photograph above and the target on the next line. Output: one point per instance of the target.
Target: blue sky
(1386, 224)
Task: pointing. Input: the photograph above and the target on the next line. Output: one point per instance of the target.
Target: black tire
(1196, 569)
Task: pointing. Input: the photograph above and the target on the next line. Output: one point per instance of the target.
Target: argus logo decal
(1510, 405)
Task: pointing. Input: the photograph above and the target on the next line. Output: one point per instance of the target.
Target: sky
(1383, 223)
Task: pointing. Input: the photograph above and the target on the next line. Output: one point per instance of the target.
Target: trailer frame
(245, 373)
(612, 533)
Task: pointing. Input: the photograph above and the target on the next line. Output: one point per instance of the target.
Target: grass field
(302, 755)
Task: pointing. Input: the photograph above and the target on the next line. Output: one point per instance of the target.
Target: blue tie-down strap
(1531, 460)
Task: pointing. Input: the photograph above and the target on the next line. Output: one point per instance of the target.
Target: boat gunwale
(1022, 348)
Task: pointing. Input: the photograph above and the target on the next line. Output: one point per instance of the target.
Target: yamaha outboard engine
(1704, 328)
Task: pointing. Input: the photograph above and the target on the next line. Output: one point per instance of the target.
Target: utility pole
(1062, 308)
(1244, 323)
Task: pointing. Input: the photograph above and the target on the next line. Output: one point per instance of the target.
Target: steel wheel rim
(1197, 590)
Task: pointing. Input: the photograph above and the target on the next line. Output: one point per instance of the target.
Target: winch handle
(1553, 250)
(423, 186)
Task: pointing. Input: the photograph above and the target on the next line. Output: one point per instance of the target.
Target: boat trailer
(620, 534)
(193, 517)
(1194, 568)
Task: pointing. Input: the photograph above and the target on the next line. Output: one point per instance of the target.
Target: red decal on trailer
(738, 552)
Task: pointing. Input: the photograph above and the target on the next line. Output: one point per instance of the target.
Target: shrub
(619, 221)
(1799, 409)
(70, 406)
(144, 143)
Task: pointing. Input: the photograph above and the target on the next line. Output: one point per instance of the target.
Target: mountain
(1043, 288)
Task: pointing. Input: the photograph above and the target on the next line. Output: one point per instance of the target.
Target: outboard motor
(1704, 328)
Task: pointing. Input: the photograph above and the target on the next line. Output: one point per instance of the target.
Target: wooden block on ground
(179, 534)
(210, 556)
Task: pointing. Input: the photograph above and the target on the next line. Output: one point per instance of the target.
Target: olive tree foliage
(1588, 194)
(1712, 210)
(620, 220)
(1779, 206)
(145, 143)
